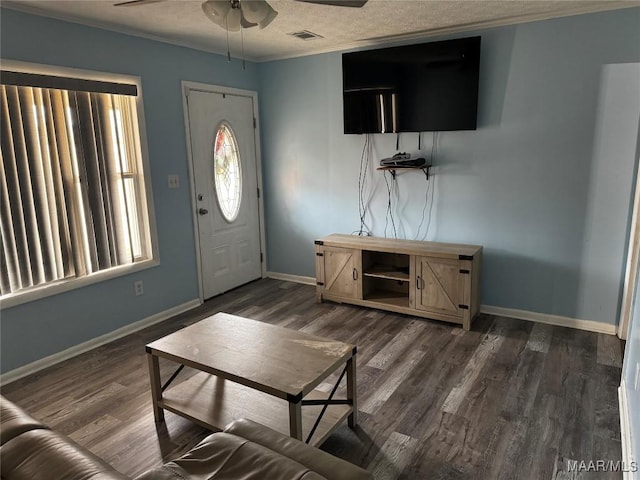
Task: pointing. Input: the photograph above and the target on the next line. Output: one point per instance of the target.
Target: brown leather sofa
(244, 450)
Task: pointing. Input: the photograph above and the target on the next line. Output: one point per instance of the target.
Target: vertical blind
(71, 200)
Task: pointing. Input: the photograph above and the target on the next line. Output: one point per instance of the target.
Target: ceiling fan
(234, 15)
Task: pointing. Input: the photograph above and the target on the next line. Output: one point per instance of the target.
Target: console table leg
(156, 388)
(352, 420)
(295, 419)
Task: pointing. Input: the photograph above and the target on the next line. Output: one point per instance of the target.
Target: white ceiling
(182, 22)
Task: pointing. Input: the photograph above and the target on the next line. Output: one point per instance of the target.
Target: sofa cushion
(14, 421)
(223, 456)
(315, 459)
(44, 455)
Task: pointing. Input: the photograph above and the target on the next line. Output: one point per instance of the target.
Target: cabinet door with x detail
(339, 272)
(442, 286)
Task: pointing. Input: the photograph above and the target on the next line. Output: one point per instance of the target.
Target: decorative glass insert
(227, 172)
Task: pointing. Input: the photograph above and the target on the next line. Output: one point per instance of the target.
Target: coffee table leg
(295, 419)
(156, 388)
(352, 421)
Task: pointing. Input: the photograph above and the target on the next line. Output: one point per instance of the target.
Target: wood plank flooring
(508, 400)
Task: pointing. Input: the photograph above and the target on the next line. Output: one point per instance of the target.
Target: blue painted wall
(40, 328)
(538, 184)
(544, 183)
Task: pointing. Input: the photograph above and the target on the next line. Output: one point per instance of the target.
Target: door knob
(203, 211)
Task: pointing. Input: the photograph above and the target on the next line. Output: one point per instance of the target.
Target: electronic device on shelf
(425, 87)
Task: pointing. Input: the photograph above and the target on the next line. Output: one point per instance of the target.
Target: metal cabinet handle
(203, 211)
(355, 274)
(418, 282)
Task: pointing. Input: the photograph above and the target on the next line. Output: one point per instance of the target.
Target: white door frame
(633, 258)
(203, 87)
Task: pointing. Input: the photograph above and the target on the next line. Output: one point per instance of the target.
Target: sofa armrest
(14, 421)
(42, 454)
(227, 456)
(313, 458)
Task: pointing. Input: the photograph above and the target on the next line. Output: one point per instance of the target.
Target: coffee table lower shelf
(214, 402)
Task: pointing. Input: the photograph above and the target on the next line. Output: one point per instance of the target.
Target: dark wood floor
(509, 399)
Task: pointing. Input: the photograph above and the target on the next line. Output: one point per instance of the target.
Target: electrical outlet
(138, 288)
(174, 181)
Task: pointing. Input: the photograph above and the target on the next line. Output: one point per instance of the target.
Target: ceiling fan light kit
(268, 18)
(233, 15)
(258, 12)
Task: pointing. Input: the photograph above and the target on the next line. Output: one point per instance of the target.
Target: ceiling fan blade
(133, 3)
(338, 3)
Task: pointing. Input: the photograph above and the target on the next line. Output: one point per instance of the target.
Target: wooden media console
(427, 279)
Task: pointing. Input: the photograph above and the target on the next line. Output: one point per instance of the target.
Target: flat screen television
(415, 88)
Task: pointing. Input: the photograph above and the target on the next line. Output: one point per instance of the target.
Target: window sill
(63, 286)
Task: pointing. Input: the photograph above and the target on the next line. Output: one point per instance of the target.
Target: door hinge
(261, 257)
(258, 192)
(255, 122)
(464, 270)
(464, 307)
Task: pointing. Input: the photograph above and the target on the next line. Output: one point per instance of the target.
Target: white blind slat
(8, 232)
(20, 191)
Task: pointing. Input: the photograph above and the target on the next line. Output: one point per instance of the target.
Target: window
(227, 173)
(73, 197)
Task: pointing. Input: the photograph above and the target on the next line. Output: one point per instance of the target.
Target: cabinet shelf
(389, 273)
(386, 297)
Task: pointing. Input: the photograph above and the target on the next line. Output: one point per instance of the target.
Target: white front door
(223, 150)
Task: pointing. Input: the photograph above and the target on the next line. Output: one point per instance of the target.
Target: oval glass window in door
(227, 172)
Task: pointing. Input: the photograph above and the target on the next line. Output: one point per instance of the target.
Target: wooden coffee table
(254, 370)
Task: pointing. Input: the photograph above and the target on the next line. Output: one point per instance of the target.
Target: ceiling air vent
(305, 35)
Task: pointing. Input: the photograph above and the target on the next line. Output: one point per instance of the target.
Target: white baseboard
(292, 278)
(589, 325)
(625, 431)
(58, 357)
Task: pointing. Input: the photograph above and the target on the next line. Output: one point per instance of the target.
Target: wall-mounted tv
(415, 88)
